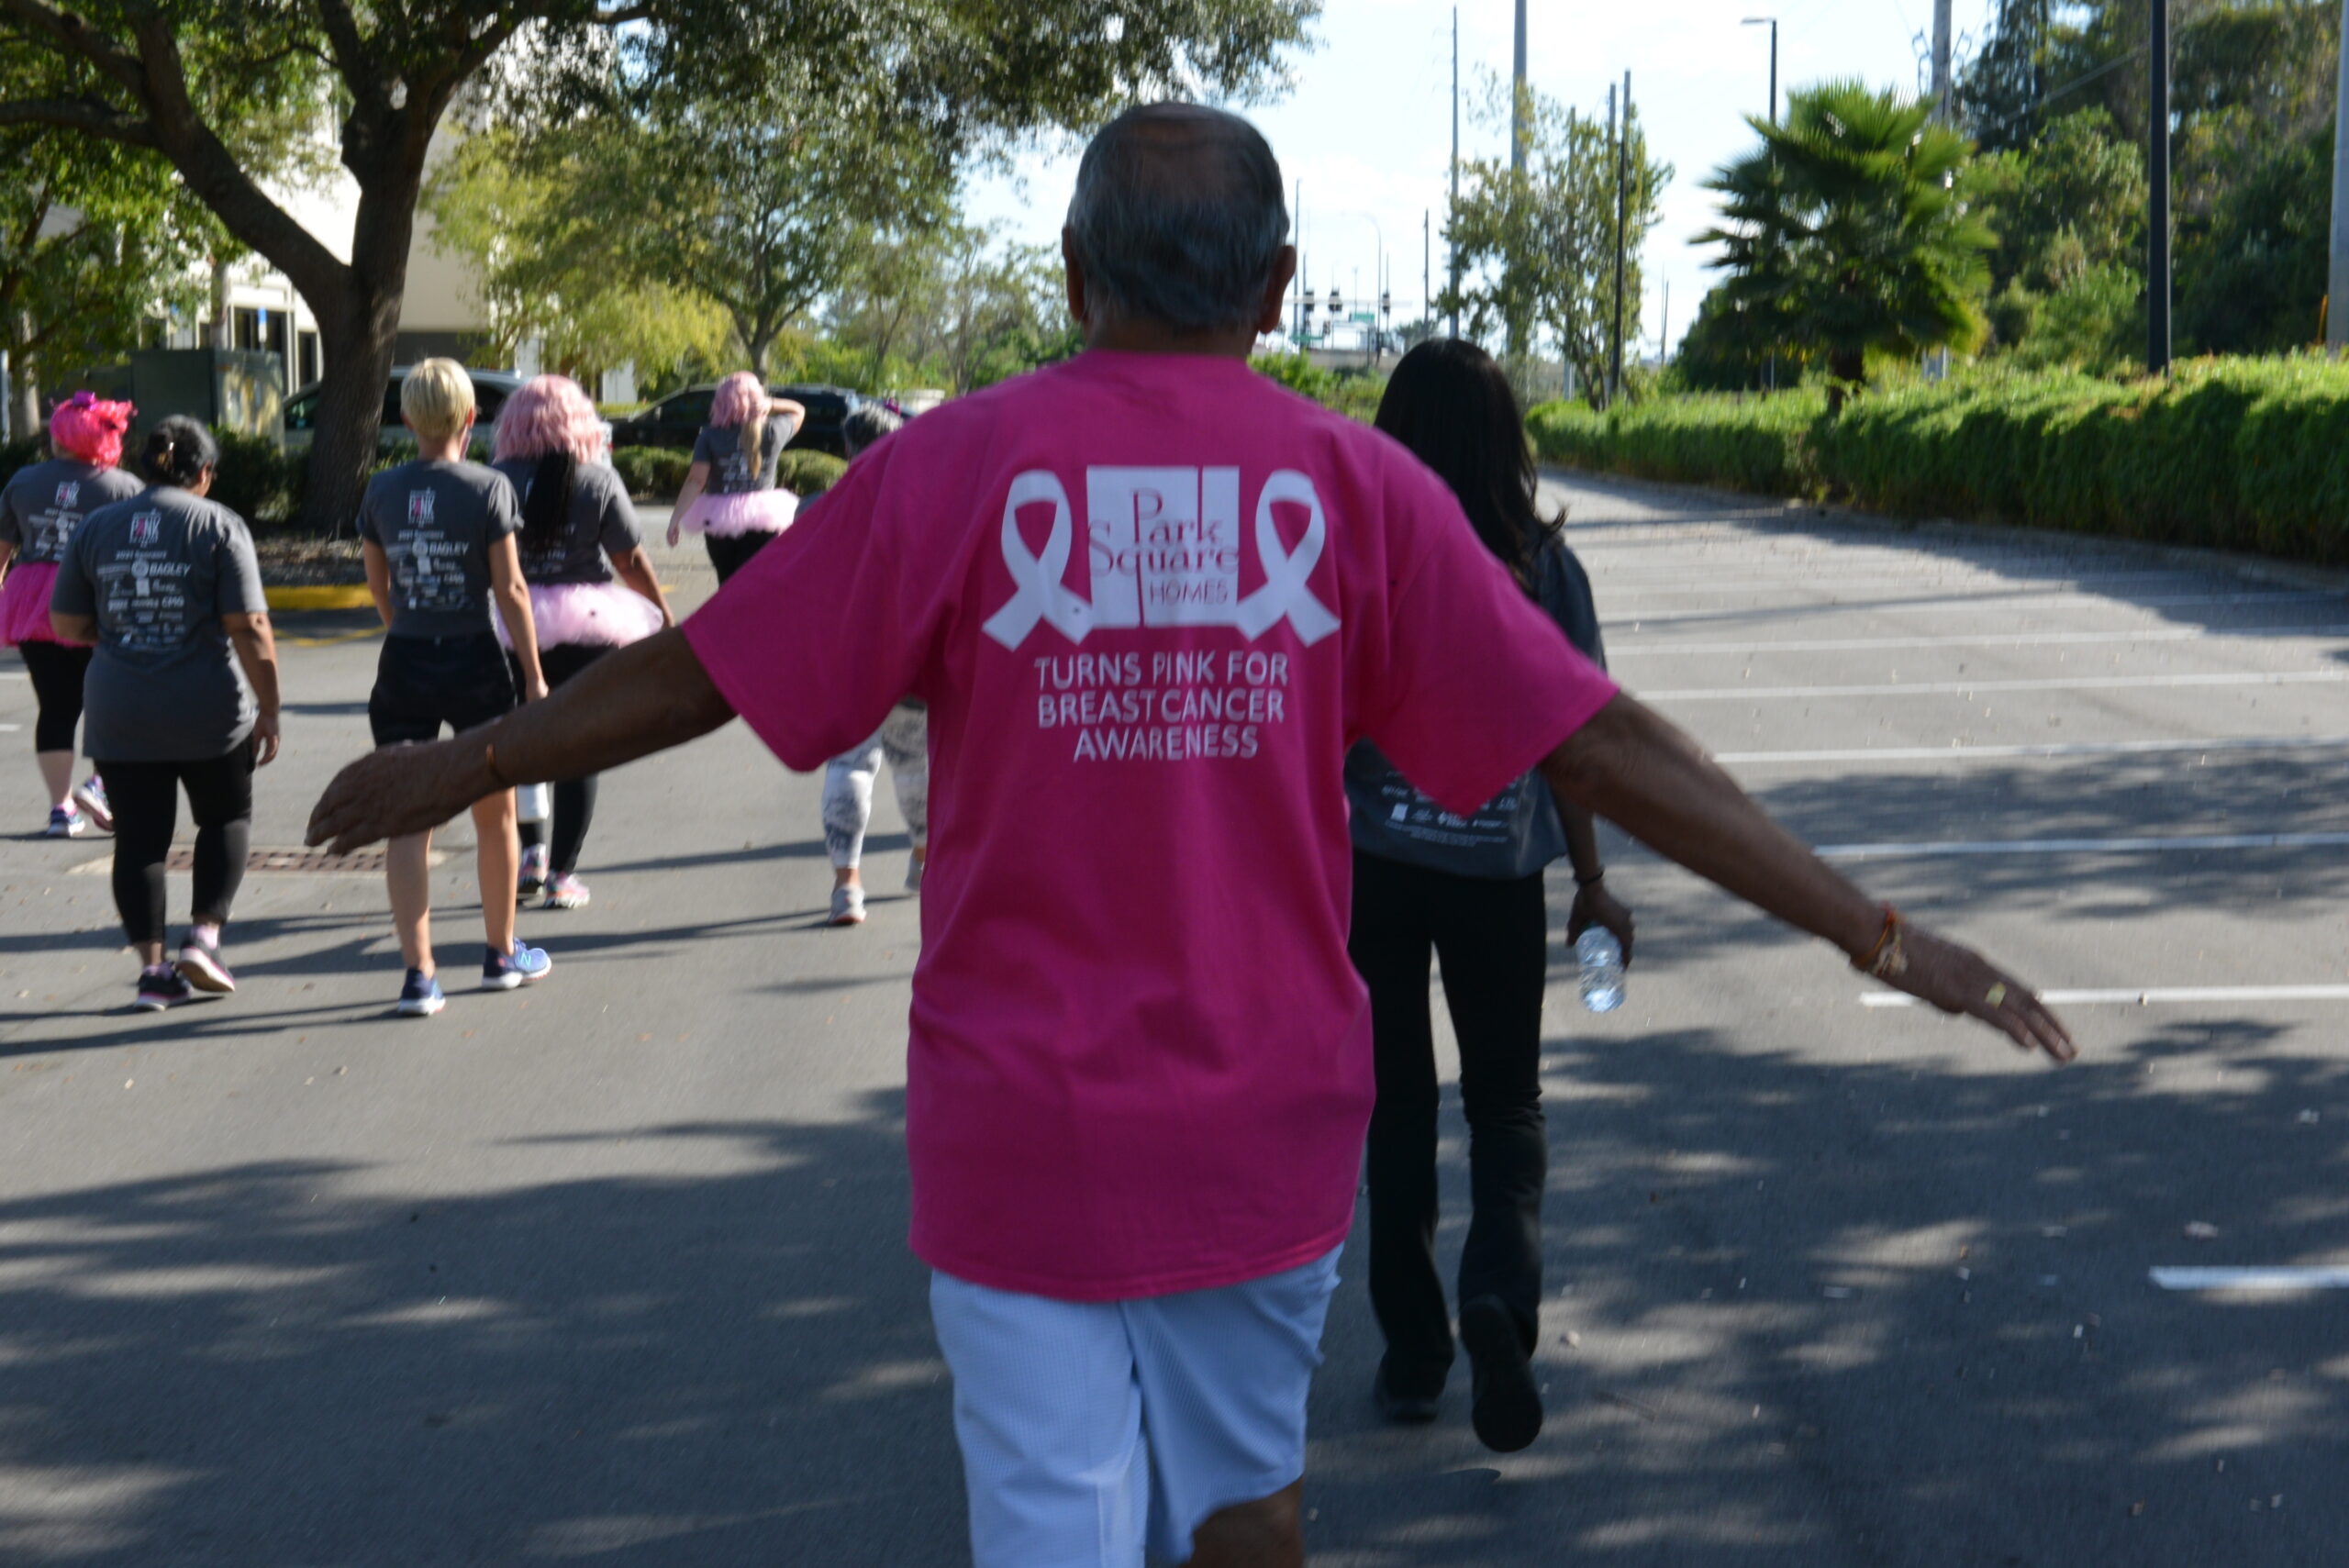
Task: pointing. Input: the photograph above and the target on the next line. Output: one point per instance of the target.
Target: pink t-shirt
(1150, 600)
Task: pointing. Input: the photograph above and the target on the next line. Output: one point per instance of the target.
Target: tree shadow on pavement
(1894, 1314)
(720, 1357)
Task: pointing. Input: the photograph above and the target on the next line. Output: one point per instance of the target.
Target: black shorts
(423, 683)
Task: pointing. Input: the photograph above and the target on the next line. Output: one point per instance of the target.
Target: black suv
(491, 389)
(678, 418)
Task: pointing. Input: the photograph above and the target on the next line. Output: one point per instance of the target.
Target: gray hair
(866, 425)
(1178, 217)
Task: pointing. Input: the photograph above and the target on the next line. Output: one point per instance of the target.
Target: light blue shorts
(1092, 1429)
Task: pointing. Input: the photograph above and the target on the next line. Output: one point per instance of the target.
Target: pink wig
(741, 397)
(87, 427)
(546, 413)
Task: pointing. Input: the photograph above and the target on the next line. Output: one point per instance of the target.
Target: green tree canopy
(172, 77)
(1536, 246)
(1845, 228)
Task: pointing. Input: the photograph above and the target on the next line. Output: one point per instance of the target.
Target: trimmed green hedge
(2231, 455)
(659, 472)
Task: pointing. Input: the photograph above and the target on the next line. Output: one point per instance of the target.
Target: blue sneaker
(505, 972)
(420, 997)
(160, 987)
(65, 822)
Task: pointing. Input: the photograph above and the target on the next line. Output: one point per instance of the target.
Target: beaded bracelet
(1886, 960)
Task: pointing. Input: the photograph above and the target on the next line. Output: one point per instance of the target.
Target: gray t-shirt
(41, 505)
(1517, 832)
(158, 570)
(436, 521)
(720, 446)
(602, 524)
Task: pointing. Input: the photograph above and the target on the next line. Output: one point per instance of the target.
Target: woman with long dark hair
(1469, 891)
(182, 695)
(39, 508)
(579, 532)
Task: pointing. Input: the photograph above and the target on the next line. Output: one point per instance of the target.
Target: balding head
(1179, 219)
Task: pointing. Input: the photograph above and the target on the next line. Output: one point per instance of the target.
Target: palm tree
(1845, 233)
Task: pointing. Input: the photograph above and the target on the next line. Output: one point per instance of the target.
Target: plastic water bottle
(1602, 969)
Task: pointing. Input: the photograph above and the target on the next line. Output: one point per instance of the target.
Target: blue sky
(1367, 124)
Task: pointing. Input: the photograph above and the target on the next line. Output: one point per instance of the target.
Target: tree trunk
(23, 393)
(357, 333)
(1847, 372)
(223, 332)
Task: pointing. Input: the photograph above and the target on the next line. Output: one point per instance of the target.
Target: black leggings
(146, 801)
(1493, 938)
(574, 799)
(56, 671)
(728, 553)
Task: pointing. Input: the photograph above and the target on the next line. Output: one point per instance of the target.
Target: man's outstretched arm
(1631, 766)
(643, 698)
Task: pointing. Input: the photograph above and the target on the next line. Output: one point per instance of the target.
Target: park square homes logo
(1164, 545)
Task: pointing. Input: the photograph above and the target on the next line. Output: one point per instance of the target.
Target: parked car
(491, 389)
(678, 418)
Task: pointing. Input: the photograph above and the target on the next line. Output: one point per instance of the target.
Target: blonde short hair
(435, 399)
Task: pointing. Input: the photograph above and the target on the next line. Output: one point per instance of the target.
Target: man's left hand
(1594, 905)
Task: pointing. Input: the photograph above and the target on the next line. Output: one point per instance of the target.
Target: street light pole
(2336, 312)
(1450, 250)
(1622, 223)
(1517, 100)
(1770, 23)
(2158, 177)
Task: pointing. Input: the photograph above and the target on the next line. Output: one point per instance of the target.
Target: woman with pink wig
(39, 508)
(578, 532)
(730, 497)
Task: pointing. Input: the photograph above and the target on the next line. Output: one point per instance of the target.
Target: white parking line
(1955, 576)
(2056, 683)
(2269, 1278)
(1979, 639)
(2148, 996)
(1965, 603)
(2156, 845)
(1955, 752)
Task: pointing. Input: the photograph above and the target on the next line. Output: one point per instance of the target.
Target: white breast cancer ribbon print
(1040, 595)
(1287, 592)
(1161, 551)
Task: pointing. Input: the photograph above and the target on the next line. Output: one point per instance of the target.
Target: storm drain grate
(317, 861)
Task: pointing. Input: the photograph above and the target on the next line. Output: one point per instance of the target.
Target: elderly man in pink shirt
(1151, 598)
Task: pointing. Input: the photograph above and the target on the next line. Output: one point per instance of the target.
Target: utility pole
(1516, 130)
(1427, 267)
(1770, 23)
(2158, 177)
(1943, 108)
(2336, 324)
(1663, 333)
(1297, 235)
(1622, 223)
(1451, 250)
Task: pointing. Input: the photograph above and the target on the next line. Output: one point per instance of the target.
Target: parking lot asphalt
(613, 1270)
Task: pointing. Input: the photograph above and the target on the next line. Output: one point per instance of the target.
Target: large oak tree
(173, 77)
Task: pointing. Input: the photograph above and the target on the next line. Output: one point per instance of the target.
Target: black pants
(1493, 940)
(730, 553)
(56, 671)
(574, 799)
(146, 801)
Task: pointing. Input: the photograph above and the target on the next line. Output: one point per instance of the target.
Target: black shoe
(1403, 1409)
(1506, 1408)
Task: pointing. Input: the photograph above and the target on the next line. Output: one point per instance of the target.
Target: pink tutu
(751, 512)
(587, 615)
(24, 603)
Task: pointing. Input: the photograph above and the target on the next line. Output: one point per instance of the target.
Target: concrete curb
(321, 596)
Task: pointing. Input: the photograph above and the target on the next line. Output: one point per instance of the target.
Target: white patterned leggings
(903, 739)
